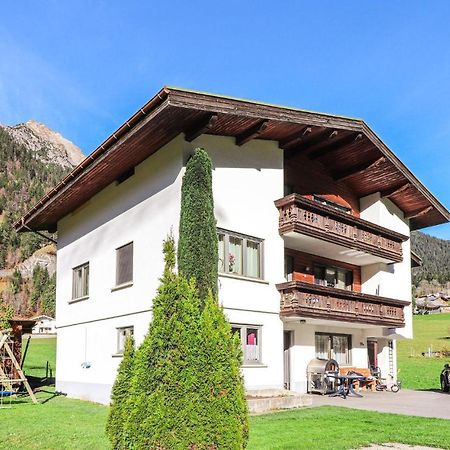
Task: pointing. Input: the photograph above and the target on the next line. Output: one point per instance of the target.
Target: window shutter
(124, 268)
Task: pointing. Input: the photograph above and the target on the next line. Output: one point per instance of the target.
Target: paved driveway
(410, 403)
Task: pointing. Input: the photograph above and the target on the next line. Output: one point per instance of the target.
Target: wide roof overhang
(349, 150)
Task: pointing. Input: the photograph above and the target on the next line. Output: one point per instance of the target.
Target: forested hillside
(27, 281)
(435, 254)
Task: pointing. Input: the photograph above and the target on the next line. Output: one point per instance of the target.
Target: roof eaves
(156, 100)
(379, 143)
(255, 102)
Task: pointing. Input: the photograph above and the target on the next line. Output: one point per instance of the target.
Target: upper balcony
(306, 300)
(319, 229)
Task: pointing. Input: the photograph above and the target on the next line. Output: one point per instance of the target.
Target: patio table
(346, 387)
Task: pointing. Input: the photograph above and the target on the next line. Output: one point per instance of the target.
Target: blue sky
(83, 67)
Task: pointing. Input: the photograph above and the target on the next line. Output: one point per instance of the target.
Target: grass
(416, 371)
(73, 424)
(333, 428)
(39, 352)
(60, 423)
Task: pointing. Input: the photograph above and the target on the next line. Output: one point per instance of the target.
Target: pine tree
(224, 417)
(120, 391)
(6, 313)
(198, 248)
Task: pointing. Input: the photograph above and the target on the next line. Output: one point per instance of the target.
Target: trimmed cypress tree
(222, 414)
(119, 395)
(197, 247)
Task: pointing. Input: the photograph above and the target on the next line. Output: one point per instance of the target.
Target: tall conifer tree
(197, 247)
(187, 391)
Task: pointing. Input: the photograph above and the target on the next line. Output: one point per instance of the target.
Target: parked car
(445, 378)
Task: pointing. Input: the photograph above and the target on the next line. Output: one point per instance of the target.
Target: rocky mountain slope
(33, 158)
(48, 145)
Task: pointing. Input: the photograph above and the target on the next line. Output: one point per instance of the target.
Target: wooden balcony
(307, 217)
(299, 299)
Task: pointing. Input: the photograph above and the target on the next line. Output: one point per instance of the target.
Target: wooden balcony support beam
(201, 127)
(396, 190)
(422, 212)
(360, 168)
(334, 146)
(313, 142)
(251, 133)
(295, 140)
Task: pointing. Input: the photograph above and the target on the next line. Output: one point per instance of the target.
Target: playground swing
(11, 375)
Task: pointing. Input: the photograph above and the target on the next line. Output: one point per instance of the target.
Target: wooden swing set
(11, 374)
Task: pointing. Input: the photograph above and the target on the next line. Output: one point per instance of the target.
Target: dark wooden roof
(347, 147)
(25, 326)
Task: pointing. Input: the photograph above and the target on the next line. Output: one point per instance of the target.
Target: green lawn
(39, 352)
(62, 423)
(416, 371)
(334, 428)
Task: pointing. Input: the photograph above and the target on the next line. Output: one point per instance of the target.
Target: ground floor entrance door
(288, 342)
(372, 353)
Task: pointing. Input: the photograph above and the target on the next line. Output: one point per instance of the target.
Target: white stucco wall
(246, 181)
(141, 210)
(303, 349)
(390, 280)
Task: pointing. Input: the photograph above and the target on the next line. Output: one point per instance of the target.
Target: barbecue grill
(322, 375)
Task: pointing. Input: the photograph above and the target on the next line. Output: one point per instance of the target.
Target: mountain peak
(48, 145)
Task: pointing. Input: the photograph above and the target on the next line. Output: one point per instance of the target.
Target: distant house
(44, 325)
(432, 304)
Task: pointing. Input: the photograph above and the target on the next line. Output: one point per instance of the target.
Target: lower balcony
(304, 300)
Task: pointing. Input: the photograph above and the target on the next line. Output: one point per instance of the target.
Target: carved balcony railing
(299, 214)
(299, 299)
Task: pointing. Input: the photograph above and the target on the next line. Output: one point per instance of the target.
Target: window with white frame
(124, 264)
(240, 254)
(122, 334)
(80, 281)
(250, 336)
(334, 346)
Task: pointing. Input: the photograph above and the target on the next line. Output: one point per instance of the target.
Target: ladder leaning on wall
(11, 375)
